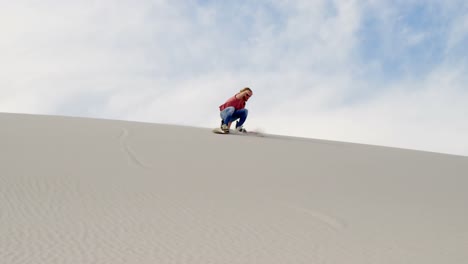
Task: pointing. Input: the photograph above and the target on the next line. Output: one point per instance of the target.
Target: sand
(78, 190)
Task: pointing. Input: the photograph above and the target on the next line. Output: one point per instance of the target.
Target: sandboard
(234, 132)
(219, 131)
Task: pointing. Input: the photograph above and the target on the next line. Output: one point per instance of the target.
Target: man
(233, 109)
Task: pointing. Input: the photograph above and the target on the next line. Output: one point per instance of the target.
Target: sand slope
(76, 190)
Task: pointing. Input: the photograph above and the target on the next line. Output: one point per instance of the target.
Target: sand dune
(76, 190)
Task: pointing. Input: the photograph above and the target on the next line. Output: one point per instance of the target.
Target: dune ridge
(81, 190)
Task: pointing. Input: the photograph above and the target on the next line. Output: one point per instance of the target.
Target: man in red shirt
(233, 109)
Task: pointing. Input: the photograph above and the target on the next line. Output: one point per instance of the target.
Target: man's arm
(240, 95)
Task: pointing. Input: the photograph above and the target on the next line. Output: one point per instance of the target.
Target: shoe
(225, 128)
(241, 129)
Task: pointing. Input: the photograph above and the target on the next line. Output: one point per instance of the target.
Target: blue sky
(389, 73)
(410, 40)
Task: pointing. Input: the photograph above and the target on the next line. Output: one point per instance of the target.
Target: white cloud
(420, 114)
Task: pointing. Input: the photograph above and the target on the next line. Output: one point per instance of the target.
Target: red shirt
(233, 101)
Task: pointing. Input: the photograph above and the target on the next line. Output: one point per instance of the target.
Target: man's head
(246, 93)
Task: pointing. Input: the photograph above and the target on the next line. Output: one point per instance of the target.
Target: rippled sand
(75, 190)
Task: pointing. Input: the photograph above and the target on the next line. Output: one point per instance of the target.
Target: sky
(390, 73)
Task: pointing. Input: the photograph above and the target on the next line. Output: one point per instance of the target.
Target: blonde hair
(246, 89)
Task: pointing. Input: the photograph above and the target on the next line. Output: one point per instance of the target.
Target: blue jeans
(230, 114)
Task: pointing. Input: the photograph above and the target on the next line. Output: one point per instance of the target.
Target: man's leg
(241, 115)
(227, 115)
